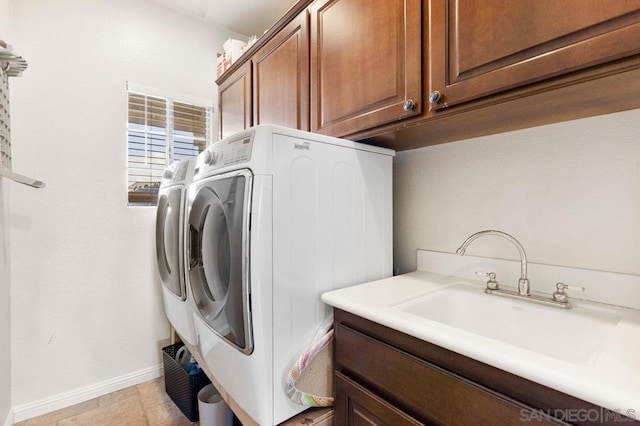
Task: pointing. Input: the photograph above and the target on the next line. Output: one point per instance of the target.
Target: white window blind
(159, 131)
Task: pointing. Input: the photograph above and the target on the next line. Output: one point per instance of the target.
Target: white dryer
(170, 229)
(275, 218)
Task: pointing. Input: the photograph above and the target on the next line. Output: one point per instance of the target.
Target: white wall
(569, 192)
(5, 319)
(86, 301)
(5, 323)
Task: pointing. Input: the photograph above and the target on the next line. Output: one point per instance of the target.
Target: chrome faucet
(523, 282)
(559, 297)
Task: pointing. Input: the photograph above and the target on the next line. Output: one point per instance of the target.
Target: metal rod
(17, 177)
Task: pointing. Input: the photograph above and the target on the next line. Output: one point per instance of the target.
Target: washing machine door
(169, 239)
(218, 255)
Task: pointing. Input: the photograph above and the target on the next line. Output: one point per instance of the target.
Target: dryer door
(219, 255)
(169, 239)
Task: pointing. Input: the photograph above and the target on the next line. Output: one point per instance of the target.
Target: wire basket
(181, 386)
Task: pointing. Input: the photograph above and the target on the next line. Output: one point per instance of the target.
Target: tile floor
(144, 404)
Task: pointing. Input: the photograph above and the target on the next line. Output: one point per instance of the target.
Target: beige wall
(5, 306)
(5, 324)
(87, 312)
(569, 192)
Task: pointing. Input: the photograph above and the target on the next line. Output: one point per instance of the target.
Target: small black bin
(181, 386)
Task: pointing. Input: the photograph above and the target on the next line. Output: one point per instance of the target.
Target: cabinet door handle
(409, 105)
(435, 97)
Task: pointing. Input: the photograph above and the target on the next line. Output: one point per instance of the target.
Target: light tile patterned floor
(144, 404)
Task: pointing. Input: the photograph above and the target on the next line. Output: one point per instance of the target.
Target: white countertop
(610, 378)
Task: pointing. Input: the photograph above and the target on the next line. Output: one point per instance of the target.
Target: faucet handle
(492, 284)
(560, 295)
(563, 286)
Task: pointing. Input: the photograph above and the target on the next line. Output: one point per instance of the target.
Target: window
(159, 131)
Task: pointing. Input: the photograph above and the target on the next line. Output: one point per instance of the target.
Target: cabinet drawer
(358, 406)
(419, 387)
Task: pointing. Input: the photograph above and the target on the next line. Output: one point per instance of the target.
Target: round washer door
(169, 240)
(219, 255)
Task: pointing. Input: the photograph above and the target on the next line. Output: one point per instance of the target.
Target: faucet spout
(523, 282)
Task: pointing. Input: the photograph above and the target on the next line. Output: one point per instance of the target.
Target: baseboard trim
(76, 396)
(9, 420)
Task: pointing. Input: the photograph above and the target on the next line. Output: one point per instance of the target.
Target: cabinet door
(365, 64)
(234, 102)
(428, 391)
(480, 47)
(281, 77)
(356, 406)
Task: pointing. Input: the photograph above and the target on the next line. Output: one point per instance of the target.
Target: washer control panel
(227, 152)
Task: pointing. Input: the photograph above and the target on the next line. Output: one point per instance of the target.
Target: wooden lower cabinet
(384, 377)
(359, 406)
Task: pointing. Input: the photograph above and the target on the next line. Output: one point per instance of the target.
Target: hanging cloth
(310, 379)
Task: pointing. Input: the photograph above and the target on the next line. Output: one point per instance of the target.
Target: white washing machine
(275, 218)
(170, 230)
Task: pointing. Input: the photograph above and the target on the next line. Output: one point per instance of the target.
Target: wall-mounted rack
(11, 65)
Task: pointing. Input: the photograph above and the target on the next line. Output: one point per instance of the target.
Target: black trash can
(181, 386)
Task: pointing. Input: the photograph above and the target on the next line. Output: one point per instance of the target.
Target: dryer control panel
(227, 152)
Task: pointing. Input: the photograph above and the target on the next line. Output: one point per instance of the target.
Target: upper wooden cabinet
(480, 47)
(365, 69)
(281, 77)
(234, 102)
(365, 64)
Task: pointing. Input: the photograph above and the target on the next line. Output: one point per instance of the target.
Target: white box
(233, 49)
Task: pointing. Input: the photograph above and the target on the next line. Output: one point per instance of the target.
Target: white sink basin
(567, 334)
